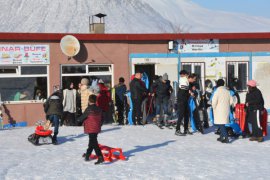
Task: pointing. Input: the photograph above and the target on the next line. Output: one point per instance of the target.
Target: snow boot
(100, 160)
(225, 140)
(165, 120)
(219, 139)
(87, 157)
(179, 133)
(260, 139)
(54, 140)
(188, 132)
(253, 138)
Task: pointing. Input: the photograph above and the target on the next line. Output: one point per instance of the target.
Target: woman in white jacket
(221, 102)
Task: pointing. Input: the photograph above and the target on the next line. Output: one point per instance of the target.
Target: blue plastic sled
(130, 122)
(236, 128)
(192, 107)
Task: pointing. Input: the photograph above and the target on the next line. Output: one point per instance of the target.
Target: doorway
(149, 69)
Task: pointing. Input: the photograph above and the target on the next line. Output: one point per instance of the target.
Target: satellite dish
(70, 45)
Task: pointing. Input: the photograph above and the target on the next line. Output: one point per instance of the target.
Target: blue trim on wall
(153, 55)
(217, 54)
(250, 66)
(190, 55)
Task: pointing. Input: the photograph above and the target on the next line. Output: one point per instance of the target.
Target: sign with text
(24, 54)
(197, 46)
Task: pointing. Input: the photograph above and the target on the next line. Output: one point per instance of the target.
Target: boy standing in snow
(91, 119)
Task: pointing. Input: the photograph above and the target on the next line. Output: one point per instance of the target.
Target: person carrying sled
(53, 108)
(194, 112)
(221, 103)
(182, 104)
(91, 119)
(162, 92)
(254, 107)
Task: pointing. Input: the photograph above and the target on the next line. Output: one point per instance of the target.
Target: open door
(149, 69)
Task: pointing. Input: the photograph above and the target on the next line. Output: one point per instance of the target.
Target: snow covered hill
(123, 16)
(151, 154)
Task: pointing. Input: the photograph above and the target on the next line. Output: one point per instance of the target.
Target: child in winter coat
(91, 119)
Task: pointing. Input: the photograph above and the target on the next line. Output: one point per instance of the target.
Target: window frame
(236, 75)
(19, 75)
(87, 73)
(203, 73)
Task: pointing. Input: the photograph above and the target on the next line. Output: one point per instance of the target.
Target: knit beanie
(85, 81)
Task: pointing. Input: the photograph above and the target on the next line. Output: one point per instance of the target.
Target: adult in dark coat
(53, 108)
(162, 90)
(254, 106)
(138, 91)
(120, 90)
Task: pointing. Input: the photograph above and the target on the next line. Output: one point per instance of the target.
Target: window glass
(237, 75)
(231, 75)
(242, 76)
(99, 68)
(186, 67)
(27, 70)
(23, 88)
(66, 80)
(8, 70)
(73, 69)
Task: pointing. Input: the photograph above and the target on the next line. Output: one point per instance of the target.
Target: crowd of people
(92, 106)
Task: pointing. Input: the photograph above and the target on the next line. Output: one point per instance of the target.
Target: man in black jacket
(162, 90)
(138, 91)
(182, 101)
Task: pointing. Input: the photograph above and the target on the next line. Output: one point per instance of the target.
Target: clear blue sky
(250, 7)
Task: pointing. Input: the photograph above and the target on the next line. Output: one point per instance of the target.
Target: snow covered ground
(151, 154)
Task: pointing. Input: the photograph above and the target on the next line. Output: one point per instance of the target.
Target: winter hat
(165, 77)
(252, 83)
(84, 81)
(138, 71)
(100, 81)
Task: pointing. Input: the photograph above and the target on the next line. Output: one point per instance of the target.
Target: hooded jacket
(137, 89)
(255, 100)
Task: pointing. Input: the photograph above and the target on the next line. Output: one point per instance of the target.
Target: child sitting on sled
(91, 119)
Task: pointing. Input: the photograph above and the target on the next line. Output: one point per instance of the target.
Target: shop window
(237, 75)
(94, 73)
(29, 84)
(74, 69)
(99, 68)
(26, 70)
(196, 68)
(9, 70)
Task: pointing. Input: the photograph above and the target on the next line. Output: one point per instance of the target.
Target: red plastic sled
(264, 122)
(240, 116)
(41, 132)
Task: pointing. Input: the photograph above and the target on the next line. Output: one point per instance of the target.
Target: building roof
(130, 37)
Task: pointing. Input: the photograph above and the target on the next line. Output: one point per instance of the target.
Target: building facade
(32, 65)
